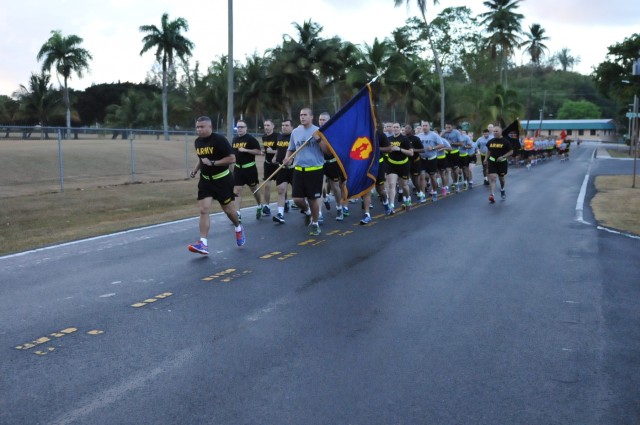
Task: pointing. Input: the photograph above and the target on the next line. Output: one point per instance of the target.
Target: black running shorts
(219, 189)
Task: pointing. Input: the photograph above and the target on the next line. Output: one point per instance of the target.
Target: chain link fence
(41, 159)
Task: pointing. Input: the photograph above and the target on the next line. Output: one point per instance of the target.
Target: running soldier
(430, 141)
(269, 140)
(284, 176)
(499, 151)
(482, 147)
(415, 168)
(246, 148)
(214, 158)
(398, 171)
(307, 172)
(384, 148)
(333, 177)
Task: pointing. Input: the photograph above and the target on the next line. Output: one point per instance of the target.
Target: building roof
(605, 124)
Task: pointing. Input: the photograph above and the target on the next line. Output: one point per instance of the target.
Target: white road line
(580, 205)
(110, 396)
(629, 235)
(110, 235)
(583, 192)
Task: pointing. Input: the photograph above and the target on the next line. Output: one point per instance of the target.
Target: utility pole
(230, 118)
(544, 101)
(635, 71)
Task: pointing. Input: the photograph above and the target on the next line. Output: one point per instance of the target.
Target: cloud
(608, 13)
(110, 29)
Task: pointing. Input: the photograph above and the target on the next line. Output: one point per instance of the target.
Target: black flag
(512, 134)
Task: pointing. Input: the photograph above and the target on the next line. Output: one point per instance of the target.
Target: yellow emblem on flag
(361, 148)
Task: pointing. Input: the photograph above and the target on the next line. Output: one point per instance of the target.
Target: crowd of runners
(417, 164)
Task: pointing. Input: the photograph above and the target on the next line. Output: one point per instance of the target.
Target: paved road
(457, 312)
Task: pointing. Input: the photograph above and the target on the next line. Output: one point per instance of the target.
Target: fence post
(133, 158)
(60, 161)
(186, 155)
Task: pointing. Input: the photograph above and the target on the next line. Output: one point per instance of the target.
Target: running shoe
(366, 219)
(492, 199)
(315, 229)
(286, 206)
(266, 211)
(278, 218)
(327, 204)
(294, 206)
(444, 191)
(387, 209)
(199, 248)
(339, 215)
(486, 182)
(345, 211)
(407, 204)
(391, 209)
(434, 196)
(307, 218)
(240, 239)
(258, 213)
(470, 185)
(503, 195)
(320, 219)
(422, 197)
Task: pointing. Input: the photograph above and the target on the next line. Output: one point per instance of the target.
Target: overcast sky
(110, 29)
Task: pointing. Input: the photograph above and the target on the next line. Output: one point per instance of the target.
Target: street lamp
(635, 71)
(629, 116)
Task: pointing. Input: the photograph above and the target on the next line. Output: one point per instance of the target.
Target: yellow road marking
(217, 275)
(271, 254)
(95, 332)
(235, 276)
(44, 339)
(152, 300)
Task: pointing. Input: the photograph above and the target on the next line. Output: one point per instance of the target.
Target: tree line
(473, 56)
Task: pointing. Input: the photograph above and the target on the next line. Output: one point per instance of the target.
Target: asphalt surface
(456, 312)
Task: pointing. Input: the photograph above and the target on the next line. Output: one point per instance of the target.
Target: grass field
(100, 196)
(616, 204)
(33, 167)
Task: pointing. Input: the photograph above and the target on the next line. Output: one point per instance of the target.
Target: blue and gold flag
(351, 137)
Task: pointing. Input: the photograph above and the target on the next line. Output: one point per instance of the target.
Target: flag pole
(374, 79)
(282, 165)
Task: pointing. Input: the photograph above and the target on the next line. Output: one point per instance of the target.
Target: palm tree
(376, 61)
(38, 101)
(285, 82)
(534, 44)
(66, 55)
(131, 112)
(254, 96)
(348, 58)
(169, 43)
(422, 5)
(310, 54)
(503, 28)
(565, 59)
